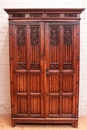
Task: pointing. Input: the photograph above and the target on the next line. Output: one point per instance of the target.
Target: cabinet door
(60, 84)
(68, 66)
(53, 66)
(35, 69)
(28, 69)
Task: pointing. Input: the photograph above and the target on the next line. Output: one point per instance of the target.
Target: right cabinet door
(60, 53)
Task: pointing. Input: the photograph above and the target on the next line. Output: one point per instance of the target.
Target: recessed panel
(67, 82)
(54, 105)
(34, 82)
(35, 105)
(22, 105)
(67, 103)
(21, 82)
(54, 83)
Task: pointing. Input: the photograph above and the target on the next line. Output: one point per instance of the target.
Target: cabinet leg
(13, 123)
(75, 125)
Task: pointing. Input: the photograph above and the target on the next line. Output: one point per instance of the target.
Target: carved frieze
(35, 15)
(18, 15)
(70, 15)
(53, 15)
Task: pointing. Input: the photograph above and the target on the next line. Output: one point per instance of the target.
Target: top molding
(44, 13)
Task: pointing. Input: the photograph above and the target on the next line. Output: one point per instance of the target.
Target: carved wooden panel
(70, 15)
(35, 105)
(35, 66)
(18, 15)
(53, 15)
(21, 47)
(21, 82)
(35, 15)
(22, 105)
(68, 35)
(54, 66)
(67, 107)
(35, 47)
(21, 65)
(35, 39)
(21, 34)
(54, 41)
(67, 66)
(68, 47)
(54, 33)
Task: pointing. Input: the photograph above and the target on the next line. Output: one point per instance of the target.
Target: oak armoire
(44, 53)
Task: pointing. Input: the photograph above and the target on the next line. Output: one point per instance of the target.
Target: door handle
(47, 72)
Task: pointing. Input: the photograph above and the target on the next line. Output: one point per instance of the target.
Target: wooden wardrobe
(44, 58)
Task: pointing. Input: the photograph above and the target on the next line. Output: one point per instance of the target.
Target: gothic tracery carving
(67, 66)
(54, 66)
(35, 35)
(67, 35)
(54, 30)
(34, 66)
(21, 65)
(21, 35)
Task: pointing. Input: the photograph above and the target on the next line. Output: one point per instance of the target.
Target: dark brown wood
(44, 65)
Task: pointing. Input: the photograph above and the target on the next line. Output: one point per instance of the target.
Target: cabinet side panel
(77, 66)
(11, 64)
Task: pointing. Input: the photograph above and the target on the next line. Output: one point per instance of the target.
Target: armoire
(44, 53)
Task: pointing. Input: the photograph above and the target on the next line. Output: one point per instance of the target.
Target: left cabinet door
(27, 69)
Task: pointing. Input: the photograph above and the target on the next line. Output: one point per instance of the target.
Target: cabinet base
(49, 121)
